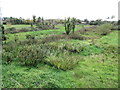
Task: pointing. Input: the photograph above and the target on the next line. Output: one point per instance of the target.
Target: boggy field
(51, 59)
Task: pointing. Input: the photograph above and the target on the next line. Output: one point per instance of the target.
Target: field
(84, 59)
(16, 26)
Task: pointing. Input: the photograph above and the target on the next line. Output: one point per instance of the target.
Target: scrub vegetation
(60, 54)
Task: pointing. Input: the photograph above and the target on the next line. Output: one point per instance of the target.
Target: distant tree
(92, 22)
(73, 23)
(34, 19)
(98, 21)
(39, 19)
(78, 21)
(112, 17)
(86, 20)
(42, 20)
(44, 24)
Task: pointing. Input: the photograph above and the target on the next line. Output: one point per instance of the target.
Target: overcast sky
(82, 9)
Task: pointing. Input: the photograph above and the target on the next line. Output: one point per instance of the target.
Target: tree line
(20, 20)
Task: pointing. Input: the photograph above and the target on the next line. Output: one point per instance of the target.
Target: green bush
(78, 48)
(45, 25)
(111, 49)
(58, 37)
(29, 54)
(32, 55)
(30, 37)
(9, 53)
(104, 29)
(35, 54)
(53, 38)
(63, 62)
(6, 57)
(11, 29)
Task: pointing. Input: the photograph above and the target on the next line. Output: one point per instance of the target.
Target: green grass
(17, 26)
(40, 34)
(97, 66)
(35, 77)
(110, 39)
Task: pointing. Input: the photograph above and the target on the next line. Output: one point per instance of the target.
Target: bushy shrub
(104, 29)
(32, 55)
(63, 62)
(14, 30)
(11, 29)
(111, 49)
(7, 57)
(30, 37)
(44, 24)
(71, 48)
(53, 38)
(29, 55)
(58, 37)
(9, 53)
(78, 48)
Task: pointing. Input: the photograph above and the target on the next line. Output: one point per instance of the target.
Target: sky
(59, 9)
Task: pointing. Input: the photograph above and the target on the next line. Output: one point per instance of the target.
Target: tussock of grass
(64, 62)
